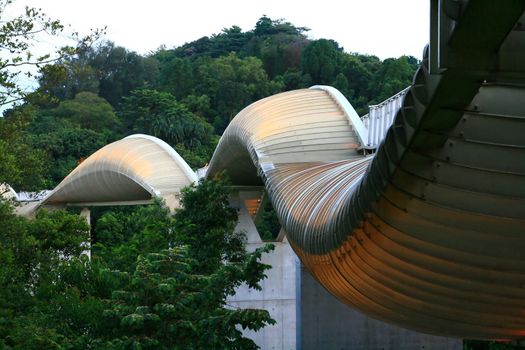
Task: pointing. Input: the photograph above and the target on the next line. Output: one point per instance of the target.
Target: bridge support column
(86, 214)
(278, 294)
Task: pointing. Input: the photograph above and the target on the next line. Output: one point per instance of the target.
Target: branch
(22, 33)
(35, 63)
(3, 103)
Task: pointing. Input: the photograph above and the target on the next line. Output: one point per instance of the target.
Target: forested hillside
(185, 95)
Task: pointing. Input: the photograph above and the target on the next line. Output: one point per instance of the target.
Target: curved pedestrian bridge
(426, 229)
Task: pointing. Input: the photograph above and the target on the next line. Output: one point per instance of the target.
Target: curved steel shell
(429, 233)
(135, 168)
(296, 126)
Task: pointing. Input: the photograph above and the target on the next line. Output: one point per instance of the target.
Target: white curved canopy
(134, 169)
(299, 126)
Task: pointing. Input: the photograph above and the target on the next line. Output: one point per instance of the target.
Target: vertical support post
(172, 201)
(298, 305)
(86, 214)
(433, 50)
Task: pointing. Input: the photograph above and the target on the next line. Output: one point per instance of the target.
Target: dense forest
(154, 280)
(185, 95)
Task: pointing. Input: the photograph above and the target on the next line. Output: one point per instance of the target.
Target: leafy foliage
(71, 132)
(88, 111)
(159, 114)
(120, 235)
(157, 308)
(148, 285)
(267, 223)
(321, 60)
(202, 221)
(176, 94)
(231, 83)
(33, 253)
(23, 166)
(121, 71)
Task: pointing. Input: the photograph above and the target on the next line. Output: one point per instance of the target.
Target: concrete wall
(328, 324)
(278, 297)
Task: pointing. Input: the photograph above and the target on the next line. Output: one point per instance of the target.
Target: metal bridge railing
(381, 116)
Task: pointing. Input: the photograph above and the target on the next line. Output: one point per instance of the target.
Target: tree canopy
(185, 95)
(154, 281)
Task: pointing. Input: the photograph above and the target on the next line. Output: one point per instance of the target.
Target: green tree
(295, 79)
(186, 268)
(65, 147)
(277, 43)
(88, 111)
(282, 52)
(122, 234)
(195, 49)
(321, 60)
(110, 71)
(211, 223)
(228, 40)
(160, 114)
(32, 256)
(232, 83)
(176, 77)
(23, 166)
(18, 34)
(266, 26)
(267, 222)
(121, 71)
(166, 306)
(358, 71)
(394, 75)
(65, 79)
(142, 288)
(72, 132)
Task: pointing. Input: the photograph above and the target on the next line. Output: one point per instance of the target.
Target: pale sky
(384, 28)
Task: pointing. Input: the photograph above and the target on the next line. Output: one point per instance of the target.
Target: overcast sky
(384, 28)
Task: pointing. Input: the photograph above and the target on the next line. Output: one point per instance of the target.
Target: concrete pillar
(86, 214)
(172, 202)
(278, 294)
